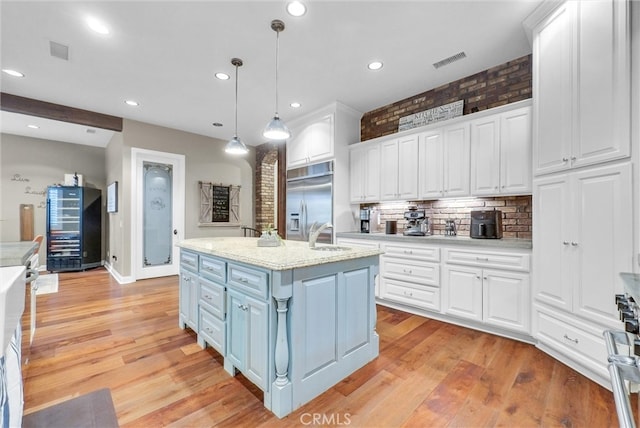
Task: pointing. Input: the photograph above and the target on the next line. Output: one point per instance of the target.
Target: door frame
(138, 157)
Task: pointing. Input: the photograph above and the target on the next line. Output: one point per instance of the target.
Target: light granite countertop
(291, 255)
(441, 240)
(16, 253)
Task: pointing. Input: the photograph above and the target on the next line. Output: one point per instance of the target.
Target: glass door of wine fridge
(68, 218)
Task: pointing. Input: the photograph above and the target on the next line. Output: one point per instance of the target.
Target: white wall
(29, 165)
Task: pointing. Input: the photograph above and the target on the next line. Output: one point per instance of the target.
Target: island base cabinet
(188, 307)
(248, 339)
(332, 329)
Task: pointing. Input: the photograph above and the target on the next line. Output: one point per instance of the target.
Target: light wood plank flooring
(95, 333)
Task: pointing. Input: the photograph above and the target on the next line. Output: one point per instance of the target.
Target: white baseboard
(116, 275)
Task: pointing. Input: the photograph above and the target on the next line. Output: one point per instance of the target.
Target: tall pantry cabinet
(582, 188)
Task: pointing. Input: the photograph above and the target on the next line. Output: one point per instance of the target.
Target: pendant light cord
(277, 46)
(235, 134)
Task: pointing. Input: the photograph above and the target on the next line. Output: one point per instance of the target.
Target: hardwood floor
(95, 333)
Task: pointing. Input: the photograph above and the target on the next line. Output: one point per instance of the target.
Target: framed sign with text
(443, 112)
(219, 204)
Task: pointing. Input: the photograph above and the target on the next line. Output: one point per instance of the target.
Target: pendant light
(235, 146)
(276, 130)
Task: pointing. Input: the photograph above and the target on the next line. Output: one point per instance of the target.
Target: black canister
(391, 227)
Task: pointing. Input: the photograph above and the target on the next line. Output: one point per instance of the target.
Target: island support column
(282, 391)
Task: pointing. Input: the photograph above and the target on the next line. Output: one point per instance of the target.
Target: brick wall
(266, 157)
(503, 84)
(516, 213)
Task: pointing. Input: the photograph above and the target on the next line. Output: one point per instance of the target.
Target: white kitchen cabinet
(501, 153)
(248, 338)
(410, 274)
(475, 290)
(582, 241)
(311, 142)
(364, 173)
(581, 89)
(399, 168)
(444, 162)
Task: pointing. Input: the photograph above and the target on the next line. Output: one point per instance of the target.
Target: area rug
(47, 284)
(93, 410)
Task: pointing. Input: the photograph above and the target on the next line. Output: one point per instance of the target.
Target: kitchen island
(294, 320)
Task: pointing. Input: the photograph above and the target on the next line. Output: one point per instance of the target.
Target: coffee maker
(365, 217)
(414, 219)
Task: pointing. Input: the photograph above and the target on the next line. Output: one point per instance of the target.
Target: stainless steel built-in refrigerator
(309, 201)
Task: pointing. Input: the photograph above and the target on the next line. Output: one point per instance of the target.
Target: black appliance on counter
(74, 228)
(486, 224)
(365, 220)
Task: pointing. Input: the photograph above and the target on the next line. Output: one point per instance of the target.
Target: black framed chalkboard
(220, 203)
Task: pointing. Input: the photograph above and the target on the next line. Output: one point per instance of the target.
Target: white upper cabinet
(444, 162)
(501, 153)
(399, 169)
(364, 173)
(581, 87)
(311, 142)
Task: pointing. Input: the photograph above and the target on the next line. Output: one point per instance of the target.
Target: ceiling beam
(29, 106)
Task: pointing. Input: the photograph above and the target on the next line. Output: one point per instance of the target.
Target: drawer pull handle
(408, 293)
(408, 251)
(570, 339)
(243, 307)
(482, 259)
(207, 297)
(407, 271)
(243, 279)
(187, 279)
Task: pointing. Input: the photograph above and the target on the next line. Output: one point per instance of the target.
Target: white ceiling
(164, 55)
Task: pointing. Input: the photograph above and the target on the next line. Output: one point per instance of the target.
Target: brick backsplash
(503, 84)
(516, 213)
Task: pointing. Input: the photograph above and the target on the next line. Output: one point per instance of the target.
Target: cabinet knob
(565, 159)
(573, 158)
(575, 244)
(565, 242)
(477, 276)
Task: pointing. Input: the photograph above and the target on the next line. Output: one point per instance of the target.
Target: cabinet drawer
(249, 280)
(213, 331)
(213, 268)
(414, 252)
(410, 270)
(212, 297)
(511, 261)
(189, 260)
(566, 336)
(422, 296)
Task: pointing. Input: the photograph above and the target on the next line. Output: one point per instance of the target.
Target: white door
(389, 170)
(515, 151)
(431, 164)
(457, 155)
(485, 155)
(157, 209)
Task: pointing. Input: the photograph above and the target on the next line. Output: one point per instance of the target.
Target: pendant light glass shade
(276, 130)
(235, 146)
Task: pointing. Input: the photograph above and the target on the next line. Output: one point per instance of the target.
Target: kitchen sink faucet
(314, 233)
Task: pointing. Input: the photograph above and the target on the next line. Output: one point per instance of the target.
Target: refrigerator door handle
(303, 215)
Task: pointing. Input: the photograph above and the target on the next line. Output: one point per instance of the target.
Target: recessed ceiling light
(13, 73)
(97, 26)
(33, 126)
(217, 124)
(296, 8)
(295, 105)
(375, 65)
(222, 76)
(132, 103)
